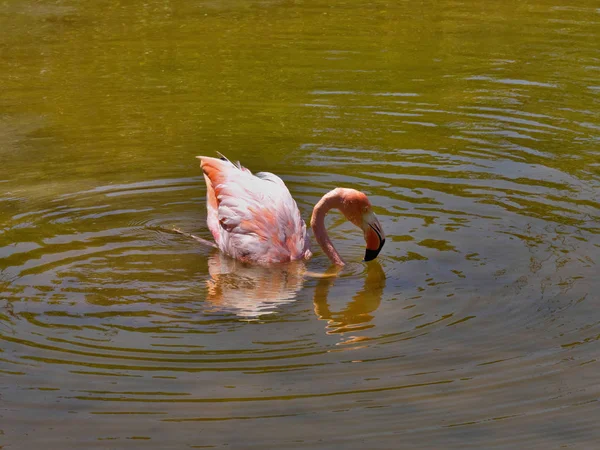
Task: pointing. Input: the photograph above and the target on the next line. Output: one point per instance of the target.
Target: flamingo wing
(252, 217)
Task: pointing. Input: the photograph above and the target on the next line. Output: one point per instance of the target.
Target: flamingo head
(357, 208)
(374, 235)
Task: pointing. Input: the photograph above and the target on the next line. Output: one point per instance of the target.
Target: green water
(474, 127)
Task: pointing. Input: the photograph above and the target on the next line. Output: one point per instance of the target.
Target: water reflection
(358, 312)
(251, 290)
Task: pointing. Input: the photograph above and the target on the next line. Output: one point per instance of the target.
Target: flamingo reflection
(358, 312)
(251, 290)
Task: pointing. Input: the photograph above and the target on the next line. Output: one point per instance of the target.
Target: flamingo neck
(317, 221)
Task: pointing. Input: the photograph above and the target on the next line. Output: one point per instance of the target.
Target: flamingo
(254, 219)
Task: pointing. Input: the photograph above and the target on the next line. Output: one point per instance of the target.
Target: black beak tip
(370, 255)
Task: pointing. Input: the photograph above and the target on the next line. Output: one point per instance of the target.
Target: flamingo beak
(374, 236)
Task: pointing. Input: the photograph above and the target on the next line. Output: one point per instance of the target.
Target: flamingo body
(252, 218)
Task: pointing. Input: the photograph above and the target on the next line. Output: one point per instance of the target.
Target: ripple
(511, 81)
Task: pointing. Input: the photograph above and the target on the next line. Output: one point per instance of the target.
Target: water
(474, 129)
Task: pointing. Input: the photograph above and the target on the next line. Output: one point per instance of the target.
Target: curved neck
(317, 222)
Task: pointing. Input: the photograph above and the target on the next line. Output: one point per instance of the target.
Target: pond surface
(474, 127)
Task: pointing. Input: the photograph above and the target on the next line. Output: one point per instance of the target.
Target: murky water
(474, 127)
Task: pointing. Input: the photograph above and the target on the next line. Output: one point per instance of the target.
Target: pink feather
(253, 218)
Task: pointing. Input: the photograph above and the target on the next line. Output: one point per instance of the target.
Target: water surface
(474, 128)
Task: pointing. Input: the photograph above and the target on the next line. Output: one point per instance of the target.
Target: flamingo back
(252, 218)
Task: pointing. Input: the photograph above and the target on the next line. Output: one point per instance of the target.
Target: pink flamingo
(254, 218)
